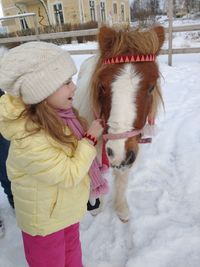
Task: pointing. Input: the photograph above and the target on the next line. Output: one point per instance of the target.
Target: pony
(120, 85)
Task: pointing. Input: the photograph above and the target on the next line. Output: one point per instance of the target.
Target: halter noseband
(128, 59)
(134, 132)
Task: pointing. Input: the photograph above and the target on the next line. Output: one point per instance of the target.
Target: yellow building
(52, 12)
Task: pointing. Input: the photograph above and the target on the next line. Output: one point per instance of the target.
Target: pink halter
(134, 132)
(111, 136)
(146, 130)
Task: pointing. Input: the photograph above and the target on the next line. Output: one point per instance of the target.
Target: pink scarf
(99, 185)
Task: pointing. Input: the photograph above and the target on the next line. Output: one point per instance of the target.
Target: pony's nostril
(109, 152)
(130, 157)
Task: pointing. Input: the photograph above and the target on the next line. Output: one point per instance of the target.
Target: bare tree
(144, 12)
(154, 7)
(192, 5)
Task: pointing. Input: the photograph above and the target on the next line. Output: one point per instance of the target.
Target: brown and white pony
(121, 85)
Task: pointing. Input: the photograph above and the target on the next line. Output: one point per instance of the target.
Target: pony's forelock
(127, 40)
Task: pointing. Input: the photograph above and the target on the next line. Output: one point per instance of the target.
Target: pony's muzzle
(127, 162)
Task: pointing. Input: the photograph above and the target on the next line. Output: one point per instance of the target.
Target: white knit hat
(35, 70)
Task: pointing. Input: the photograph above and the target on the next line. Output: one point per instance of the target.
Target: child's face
(63, 97)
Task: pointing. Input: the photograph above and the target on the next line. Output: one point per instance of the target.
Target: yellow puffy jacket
(49, 182)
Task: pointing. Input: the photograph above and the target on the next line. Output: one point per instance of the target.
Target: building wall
(76, 11)
(41, 15)
(111, 17)
(70, 11)
(115, 11)
(10, 9)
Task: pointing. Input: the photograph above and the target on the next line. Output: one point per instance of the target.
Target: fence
(93, 32)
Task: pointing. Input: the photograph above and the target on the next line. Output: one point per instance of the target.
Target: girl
(50, 156)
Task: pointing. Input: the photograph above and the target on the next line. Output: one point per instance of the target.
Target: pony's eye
(150, 89)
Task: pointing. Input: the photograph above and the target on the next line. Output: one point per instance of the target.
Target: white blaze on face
(123, 109)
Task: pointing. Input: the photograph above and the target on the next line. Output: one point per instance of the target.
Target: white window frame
(23, 21)
(122, 4)
(105, 19)
(23, 24)
(115, 3)
(54, 16)
(94, 10)
(82, 11)
(115, 14)
(21, 9)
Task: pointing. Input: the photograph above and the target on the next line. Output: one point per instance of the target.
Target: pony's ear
(106, 38)
(160, 31)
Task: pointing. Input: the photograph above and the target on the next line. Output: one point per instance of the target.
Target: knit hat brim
(35, 70)
(45, 81)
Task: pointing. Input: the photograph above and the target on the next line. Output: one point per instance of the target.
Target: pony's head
(125, 87)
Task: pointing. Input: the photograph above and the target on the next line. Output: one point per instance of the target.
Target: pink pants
(60, 249)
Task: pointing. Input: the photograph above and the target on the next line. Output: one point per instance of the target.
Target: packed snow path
(163, 191)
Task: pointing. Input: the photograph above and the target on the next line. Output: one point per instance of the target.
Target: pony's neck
(82, 100)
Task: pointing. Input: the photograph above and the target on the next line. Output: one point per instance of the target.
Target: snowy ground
(163, 191)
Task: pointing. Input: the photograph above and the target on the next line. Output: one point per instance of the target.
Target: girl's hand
(96, 128)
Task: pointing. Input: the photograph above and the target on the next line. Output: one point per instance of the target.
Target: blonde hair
(45, 118)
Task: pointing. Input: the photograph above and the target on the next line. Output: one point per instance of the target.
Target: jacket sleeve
(52, 165)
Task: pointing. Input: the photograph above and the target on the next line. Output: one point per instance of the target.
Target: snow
(163, 191)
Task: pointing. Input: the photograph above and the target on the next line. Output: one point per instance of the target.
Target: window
(102, 11)
(23, 23)
(58, 13)
(115, 8)
(92, 10)
(122, 12)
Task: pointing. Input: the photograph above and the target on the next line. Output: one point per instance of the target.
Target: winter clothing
(93, 206)
(35, 70)
(61, 249)
(4, 146)
(50, 183)
(2, 228)
(99, 185)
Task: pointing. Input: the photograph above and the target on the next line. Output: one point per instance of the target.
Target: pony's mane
(157, 101)
(138, 41)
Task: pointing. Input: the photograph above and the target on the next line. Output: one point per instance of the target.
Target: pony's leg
(119, 198)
